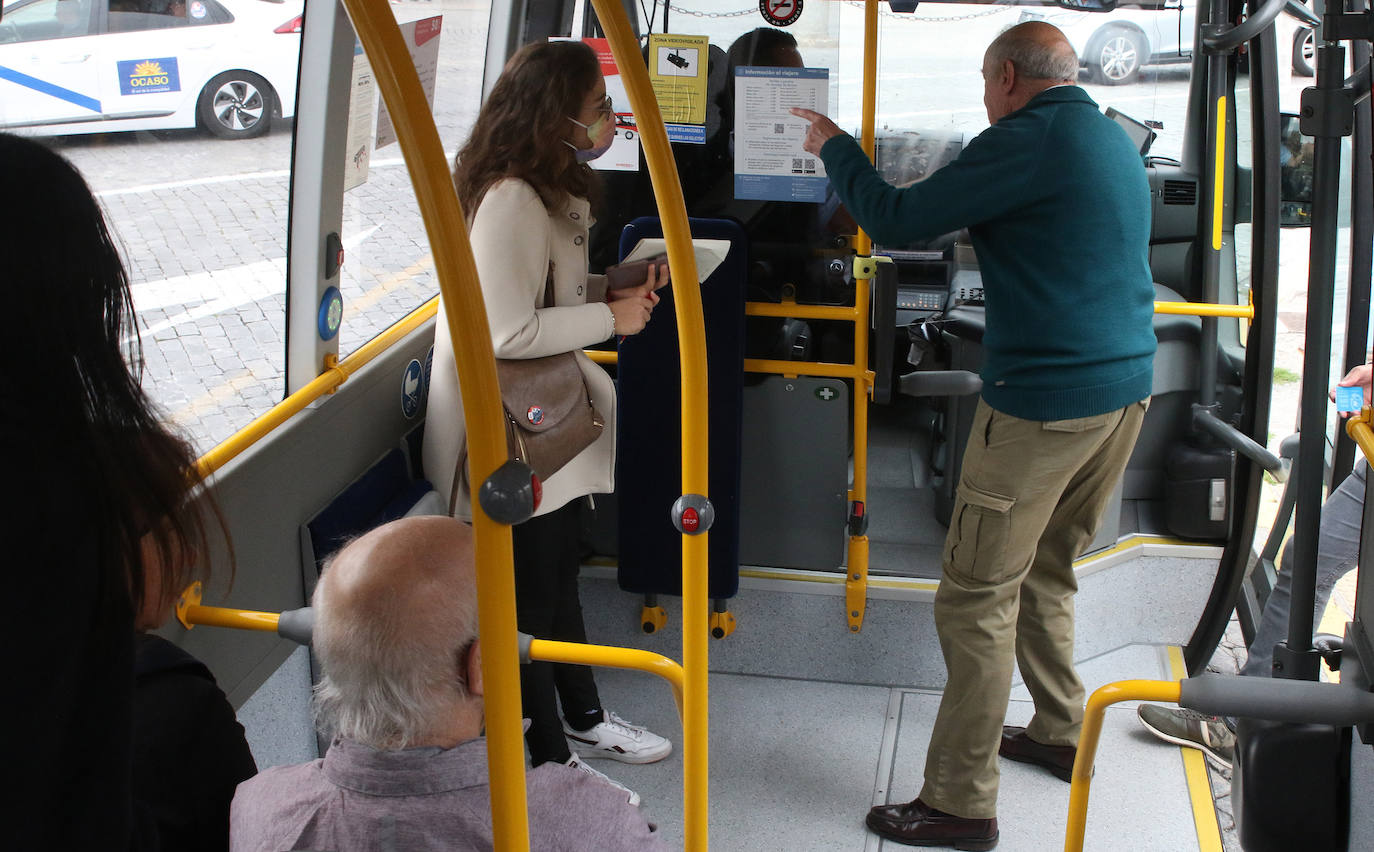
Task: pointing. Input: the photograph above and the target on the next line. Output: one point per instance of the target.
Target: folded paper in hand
(709, 253)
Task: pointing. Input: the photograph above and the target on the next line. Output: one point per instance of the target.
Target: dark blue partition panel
(649, 424)
(384, 493)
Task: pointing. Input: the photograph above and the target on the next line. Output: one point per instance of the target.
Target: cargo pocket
(982, 523)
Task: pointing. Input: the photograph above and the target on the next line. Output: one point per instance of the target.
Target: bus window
(388, 270)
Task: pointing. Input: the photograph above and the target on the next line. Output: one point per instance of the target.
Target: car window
(46, 19)
(136, 15)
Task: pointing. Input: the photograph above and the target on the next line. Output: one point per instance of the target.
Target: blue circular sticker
(331, 313)
(412, 384)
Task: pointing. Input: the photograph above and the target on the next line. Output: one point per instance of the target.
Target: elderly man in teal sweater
(1055, 198)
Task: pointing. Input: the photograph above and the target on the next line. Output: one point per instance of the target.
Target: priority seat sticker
(148, 76)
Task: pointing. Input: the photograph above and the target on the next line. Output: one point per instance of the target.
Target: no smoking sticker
(780, 13)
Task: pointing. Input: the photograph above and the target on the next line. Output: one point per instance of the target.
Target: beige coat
(517, 242)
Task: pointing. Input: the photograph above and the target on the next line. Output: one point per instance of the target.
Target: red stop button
(690, 520)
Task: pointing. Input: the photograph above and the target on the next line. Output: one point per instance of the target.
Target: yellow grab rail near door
(672, 211)
(1098, 702)
(466, 315)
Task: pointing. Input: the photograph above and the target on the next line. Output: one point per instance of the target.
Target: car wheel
(236, 105)
(1116, 56)
(1305, 52)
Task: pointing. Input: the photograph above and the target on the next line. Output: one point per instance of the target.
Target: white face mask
(594, 132)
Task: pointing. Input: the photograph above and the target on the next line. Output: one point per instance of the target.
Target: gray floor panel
(1149, 599)
(897, 559)
(903, 515)
(1032, 808)
(780, 777)
(781, 634)
(890, 464)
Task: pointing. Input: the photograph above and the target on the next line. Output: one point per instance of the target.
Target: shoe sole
(1170, 738)
(969, 845)
(590, 751)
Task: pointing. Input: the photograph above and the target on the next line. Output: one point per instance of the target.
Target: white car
(91, 66)
(1115, 45)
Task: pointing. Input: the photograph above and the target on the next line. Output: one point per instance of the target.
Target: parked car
(1114, 46)
(90, 66)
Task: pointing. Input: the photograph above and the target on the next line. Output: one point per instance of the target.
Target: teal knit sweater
(1057, 203)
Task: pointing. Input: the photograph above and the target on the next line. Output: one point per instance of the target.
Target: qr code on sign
(797, 166)
(809, 167)
(778, 128)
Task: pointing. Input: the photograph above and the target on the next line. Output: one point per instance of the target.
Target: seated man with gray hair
(396, 635)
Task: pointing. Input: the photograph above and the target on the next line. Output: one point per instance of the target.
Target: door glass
(46, 19)
(200, 220)
(390, 269)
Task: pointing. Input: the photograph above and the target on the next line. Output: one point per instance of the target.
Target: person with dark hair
(1066, 383)
(401, 695)
(103, 520)
(524, 185)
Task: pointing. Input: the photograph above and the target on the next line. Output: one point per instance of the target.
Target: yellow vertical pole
(672, 212)
(856, 578)
(466, 316)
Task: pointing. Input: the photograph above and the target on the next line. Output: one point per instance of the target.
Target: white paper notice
(770, 164)
(422, 39)
(362, 96)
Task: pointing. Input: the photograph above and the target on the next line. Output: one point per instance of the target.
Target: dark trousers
(547, 559)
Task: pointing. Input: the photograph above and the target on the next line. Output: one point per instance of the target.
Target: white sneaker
(632, 796)
(617, 739)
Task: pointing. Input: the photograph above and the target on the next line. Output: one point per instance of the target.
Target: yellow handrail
(672, 212)
(334, 375)
(577, 653)
(1358, 428)
(799, 310)
(192, 614)
(856, 563)
(807, 368)
(1201, 309)
(1098, 702)
(475, 360)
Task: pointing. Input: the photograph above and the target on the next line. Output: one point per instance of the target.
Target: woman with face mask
(525, 187)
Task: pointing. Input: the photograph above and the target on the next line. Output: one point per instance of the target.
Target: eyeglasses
(606, 106)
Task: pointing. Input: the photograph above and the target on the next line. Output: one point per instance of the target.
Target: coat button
(577, 240)
(579, 289)
(575, 215)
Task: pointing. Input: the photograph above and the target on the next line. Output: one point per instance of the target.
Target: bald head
(418, 565)
(395, 630)
(1021, 63)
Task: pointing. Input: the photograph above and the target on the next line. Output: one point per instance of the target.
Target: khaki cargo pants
(1030, 498)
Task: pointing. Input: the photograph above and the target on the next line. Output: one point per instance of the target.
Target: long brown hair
(69, 348)
(520, 130)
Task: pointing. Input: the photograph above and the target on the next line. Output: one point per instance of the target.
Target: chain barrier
(695, 13)
(886, 13)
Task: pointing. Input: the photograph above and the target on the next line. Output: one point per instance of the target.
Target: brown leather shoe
(1017, 746)
(917, 824)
